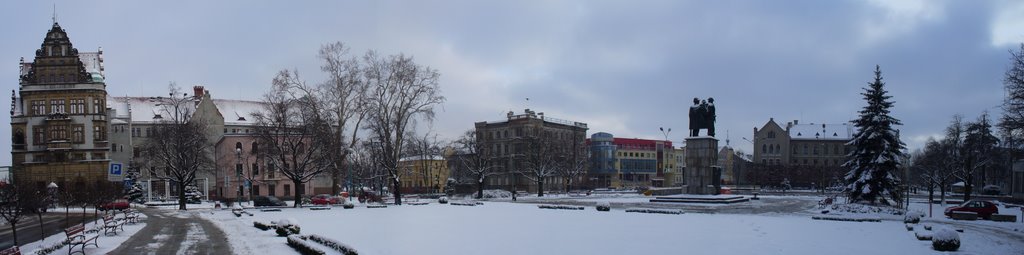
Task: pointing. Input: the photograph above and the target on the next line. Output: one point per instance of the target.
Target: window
(287, 190)
(805, 149)
(135, 132)
(135, 152)
(59, 132)
(255, 148)
(272, 189)
(764, 148)
(835, 149)
(57, 106)
(78, 134)
(38, 135)
(238, 146)
(77, 106)
(256, 190)
(255, 169)
(271, 168)
(238, 170)
(38, 107)
(97, 106)
(99, 133)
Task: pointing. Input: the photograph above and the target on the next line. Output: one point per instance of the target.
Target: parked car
(984, 209)
(992, 190)
(324, 199)
(119, 204)
(267, 201)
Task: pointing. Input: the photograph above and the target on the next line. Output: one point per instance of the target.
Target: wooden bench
(11, 251)
(76, 236)
(131, 216)
(111, 224)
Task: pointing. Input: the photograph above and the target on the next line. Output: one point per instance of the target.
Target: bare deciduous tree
(1012, 121)
(183, 149)
(341, 100)
(399, 92)
(286, 131)
(473, 160)
(575, 164)
(12, 209)
(542, 157)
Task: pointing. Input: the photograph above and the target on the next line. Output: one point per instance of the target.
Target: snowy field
(508, 228)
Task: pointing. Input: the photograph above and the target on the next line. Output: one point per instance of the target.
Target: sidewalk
(175, 232)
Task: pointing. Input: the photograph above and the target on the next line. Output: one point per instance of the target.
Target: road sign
(115, 173)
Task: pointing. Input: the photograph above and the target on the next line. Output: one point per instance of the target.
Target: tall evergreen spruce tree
(877, 149)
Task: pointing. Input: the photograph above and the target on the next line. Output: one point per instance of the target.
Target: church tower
(58, 116)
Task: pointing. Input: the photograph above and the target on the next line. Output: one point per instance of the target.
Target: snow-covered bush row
(417, 203)
(840, 218)
(945, 240)
(604, 206)
(654, 211)
(562, 207)
(263, 226)
(299, 244)
(51, 249)
(497, 193)
(286, 227)
(463, 203)
(377, 206)
(913, 217)
(443, 200)
(923, 235)
(334, 244)
(348, 206)
(863, 208)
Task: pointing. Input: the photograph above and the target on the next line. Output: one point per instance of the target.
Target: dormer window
(157, 116)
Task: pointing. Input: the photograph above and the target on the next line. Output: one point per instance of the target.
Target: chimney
(796, 122)
(198, 91)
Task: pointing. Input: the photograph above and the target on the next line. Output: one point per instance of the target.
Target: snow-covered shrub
(463, 203)
(497, 193)
(193, 195)
(262, 226)
(654, 211)
(299, 244)
(604, 206)
(287, 227)
(927, 227)
(863, 208)
(910, 227)
(923, 235)
(334, 244)
(443, 200)
(913, 217)
(945, 240)
(52, 248)
(348, 206)
(562, 207)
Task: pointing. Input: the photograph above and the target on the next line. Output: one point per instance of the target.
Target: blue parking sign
(115, 169)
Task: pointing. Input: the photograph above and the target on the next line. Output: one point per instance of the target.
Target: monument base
(702, 174)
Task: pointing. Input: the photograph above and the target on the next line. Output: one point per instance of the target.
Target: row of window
(43, 134)
(815, 162)
(72, 106)
(807, 149)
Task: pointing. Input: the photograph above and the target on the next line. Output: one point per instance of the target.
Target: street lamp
(238, 173)
(51, 193)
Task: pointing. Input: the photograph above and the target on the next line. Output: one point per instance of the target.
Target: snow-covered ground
(518, 228)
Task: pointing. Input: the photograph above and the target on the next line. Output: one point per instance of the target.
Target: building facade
(735, 165)
(630, 162)
(804, 155)
(508, 142)
(58, 116)
(424, 174)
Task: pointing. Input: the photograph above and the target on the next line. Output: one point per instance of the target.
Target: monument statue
(702, 116)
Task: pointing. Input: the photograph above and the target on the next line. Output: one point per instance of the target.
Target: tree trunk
(942, 195)
(335, 179)
(42, 234)
(540, 187)
(931, 197)
(14, 232)
(968, 187)
(480, 188)
(397, 191)
(298, 193)
(67, 213)
(181, 196)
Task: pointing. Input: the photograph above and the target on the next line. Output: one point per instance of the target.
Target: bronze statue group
(702, 116)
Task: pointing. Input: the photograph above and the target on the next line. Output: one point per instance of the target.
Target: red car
(984, 209)
(119, 204)
(324, 199)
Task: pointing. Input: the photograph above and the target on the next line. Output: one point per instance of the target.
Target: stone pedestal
(702, 170)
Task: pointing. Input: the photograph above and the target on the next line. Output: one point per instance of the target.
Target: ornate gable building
(58, 116)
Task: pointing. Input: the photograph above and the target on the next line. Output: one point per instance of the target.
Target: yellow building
(58, 117)
(423, 174)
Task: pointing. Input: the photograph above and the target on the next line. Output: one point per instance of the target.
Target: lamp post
(238, 174)
(51, 192)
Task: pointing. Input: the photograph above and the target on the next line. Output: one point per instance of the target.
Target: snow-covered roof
(422, 157)
(238, 112)
(821, 131)
(148, 109)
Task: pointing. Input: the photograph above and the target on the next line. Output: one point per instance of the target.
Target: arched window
(238, 146)
(764, 148)
(778, 149)
(19, 137)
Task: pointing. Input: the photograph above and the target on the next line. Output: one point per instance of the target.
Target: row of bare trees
(966, 153)
(18, 202)
(310, 130)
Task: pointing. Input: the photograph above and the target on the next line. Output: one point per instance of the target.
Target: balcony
(58, 145)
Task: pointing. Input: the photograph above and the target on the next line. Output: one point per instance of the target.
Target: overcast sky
(623, 67)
